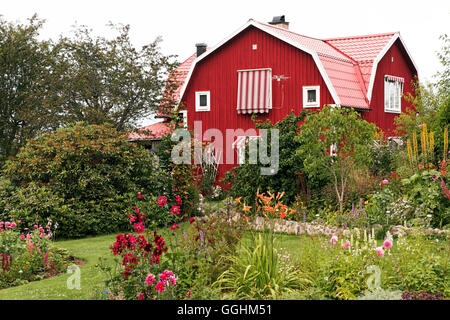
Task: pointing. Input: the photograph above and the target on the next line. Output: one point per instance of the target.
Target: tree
(342, 133)
(109, 80)
(431, 104)
(27, 102)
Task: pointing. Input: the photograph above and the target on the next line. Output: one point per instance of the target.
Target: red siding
(399, 67)
(217, 73)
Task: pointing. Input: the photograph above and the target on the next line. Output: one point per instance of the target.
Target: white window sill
(392, 111)
(311, 106)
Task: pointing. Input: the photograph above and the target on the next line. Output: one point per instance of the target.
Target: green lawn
(87, 249)
(90, 249)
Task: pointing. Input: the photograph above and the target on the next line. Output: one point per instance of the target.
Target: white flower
(325, 278)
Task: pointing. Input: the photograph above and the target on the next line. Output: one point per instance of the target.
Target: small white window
(311, 97)
(202, 101)
(183, 115)
(333, 150)
(393, 88)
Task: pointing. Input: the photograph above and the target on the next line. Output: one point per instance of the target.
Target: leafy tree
(109, 80)
(431, 104)
(85, 177)
(28, 102)
(343, 130)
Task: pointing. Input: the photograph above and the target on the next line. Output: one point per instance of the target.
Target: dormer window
(202, 101)
(311, 97)
(393, 88)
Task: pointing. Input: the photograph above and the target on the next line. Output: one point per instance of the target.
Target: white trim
(378, 59)
(184, 113)
(251, 22)
(307, 104)
(198, 107)
(396, 80)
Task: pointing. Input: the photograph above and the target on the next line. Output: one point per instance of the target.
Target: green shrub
(83, 176)
(246, 179)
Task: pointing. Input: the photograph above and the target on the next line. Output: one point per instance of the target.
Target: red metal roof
(152, 132)
(363, 49)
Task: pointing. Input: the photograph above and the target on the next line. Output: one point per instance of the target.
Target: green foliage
(182, 181)
(257, 272)
(27, 100)
(109, 80)
(351, 137)
(246, 179)
(415, 201)
(83, 176)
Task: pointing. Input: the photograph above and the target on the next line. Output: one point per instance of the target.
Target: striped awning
(254, 91)
(394, 78)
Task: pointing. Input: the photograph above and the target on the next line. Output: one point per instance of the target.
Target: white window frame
(184, 113)
(307, 104)
(389, 105)
(199, 108)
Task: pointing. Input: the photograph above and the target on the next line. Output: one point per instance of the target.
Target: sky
(182, 24)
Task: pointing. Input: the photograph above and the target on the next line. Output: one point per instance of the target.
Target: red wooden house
(269, 70)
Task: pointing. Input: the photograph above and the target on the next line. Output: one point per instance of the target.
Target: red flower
(139, 227)
(160, 287)
(191, 220)
(141, 297)
(175, 210)
(178, 199)
(174, 226)
(139, 195)
(162, 201)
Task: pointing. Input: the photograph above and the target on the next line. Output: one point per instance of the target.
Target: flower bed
(28, 255)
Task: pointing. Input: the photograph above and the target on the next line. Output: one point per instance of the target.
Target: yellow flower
(27, 262)
(366, 203)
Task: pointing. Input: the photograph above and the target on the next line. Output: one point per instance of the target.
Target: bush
(83, 176)
(246, 179)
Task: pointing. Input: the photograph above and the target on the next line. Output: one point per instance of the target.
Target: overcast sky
(181, 24)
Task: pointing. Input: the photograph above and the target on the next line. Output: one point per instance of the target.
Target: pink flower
(178, 199)
(387, 244)
(174, 226)
(380, 251)
(13, 224)
(139, 227)
(141, 296)
(333, 240)
(139, 195)
(160, 287)
(175, 210)
(150, 279)
(165, 274)
(385, 181)
(46, 258)
(189, 293)
(162, 201)
(173, 280)
(346, 245)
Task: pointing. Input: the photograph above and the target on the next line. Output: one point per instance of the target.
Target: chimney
(201, 48)
(279, 21)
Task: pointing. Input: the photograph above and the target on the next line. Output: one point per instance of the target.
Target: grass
(55, 288)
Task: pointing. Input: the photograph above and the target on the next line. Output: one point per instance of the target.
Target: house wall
(217, 73)
(399, 67)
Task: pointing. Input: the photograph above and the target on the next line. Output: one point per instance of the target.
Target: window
(202, 101)
(311, 97)
(393, 88)
(183, 115)
(254, 93)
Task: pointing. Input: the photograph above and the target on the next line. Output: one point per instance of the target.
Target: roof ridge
(362, 36)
